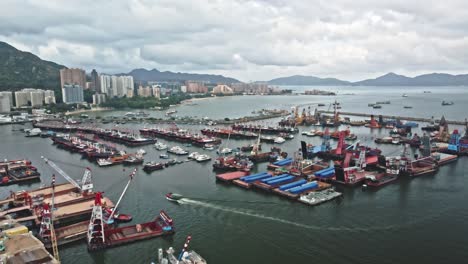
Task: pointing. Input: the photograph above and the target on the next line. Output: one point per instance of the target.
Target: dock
(407, 118)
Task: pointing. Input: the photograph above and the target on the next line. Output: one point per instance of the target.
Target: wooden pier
(407, 118)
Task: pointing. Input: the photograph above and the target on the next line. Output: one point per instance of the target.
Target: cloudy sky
(248, 40)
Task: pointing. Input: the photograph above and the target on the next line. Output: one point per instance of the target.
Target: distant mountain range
(19, 69)
(389, 79)
(155, 75)
(307, 80)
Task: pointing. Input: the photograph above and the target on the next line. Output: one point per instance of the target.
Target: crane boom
(122, 195)
(86, 181)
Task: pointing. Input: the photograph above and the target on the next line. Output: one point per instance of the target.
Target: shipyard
(195, 132)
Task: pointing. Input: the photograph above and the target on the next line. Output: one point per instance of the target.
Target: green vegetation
(20, 69)
(145, 102)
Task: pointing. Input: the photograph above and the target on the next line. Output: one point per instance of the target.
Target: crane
(110, 219)
(86, 182)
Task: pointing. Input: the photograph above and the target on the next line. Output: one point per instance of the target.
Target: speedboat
(279, 140)
(174, 197)
(163, 156)
(160, 146)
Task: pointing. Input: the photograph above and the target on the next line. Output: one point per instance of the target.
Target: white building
(22, 98)
(72, 94)
(222, 89)
(37, 98)
(49, 97)
(156, 90)
(183, 88)
(5, 103)
(117, 86)
(99, 99)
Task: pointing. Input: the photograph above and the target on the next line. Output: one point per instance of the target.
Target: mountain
(19, 69)
(307, 80)
(155, 75)
(432, 79)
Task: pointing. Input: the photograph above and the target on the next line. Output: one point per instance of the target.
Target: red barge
(101, 236)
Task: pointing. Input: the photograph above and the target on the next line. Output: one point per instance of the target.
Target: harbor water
(421, 220)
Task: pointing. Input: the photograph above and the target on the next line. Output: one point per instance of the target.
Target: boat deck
(76, 209)
(68, 198)
(242, 184)
(444, 158)
(47, 191)
(25, 248)
(230, 176)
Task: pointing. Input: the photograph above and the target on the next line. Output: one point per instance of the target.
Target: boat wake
(311, 227)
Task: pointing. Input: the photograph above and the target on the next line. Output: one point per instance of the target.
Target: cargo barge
(319, 197)
(180, 136)
(99, 239)
(17, 172)
(228, 133)
(264, 129)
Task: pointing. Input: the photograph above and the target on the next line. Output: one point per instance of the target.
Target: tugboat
(174, 197)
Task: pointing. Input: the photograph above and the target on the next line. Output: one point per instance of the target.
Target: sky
(248, 40)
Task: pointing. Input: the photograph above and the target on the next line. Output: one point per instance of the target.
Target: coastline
(81, 111)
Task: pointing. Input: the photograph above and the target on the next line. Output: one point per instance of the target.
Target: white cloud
(249, 40)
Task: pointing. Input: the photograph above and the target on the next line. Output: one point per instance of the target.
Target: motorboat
(193, 155)
(177, 150)
(163, 156)
(225, 151)
(152, 166)
(279, 140)
(160, 146)
(174, 197)
(202, 158)
(208, 147)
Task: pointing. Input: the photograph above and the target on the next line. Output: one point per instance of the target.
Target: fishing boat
(174, 197)
(152, 166)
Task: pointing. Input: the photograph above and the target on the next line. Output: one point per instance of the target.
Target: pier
(417, 119)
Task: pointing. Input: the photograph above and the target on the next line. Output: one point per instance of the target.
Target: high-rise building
(22, 98)
(49, 97)
(5, 103)
(72, 94)
(10, 96)
(99, 99)
(156, 89)
(196, 87)
(73, 76)
(144, 91)
(96, 82)
(222, 89)
(37, 98)
(117, 86)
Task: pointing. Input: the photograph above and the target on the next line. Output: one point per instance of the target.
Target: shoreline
(97, 109)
